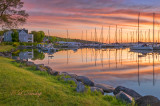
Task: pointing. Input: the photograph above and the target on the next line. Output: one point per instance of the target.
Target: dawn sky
(78, 15)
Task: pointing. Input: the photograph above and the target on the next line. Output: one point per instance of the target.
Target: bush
(16, 44)
(6, 43)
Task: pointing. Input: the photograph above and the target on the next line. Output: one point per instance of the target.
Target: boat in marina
(142, 47)
(48, 47)
(143, 52)
(156, 47)
(73, 45)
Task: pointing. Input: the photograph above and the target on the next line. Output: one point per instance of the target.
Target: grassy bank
(25, 86)
(5, 48)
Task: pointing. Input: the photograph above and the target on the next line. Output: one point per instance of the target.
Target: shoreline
(119, 92)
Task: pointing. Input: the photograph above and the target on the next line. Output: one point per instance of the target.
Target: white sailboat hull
(141, 48)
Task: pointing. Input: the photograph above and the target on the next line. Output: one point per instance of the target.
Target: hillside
(25, 86)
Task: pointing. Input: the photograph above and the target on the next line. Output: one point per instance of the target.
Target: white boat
(71, 45)
(142, 47)
(48, 47)
(109, 45)
(117, 45)
(156, 47)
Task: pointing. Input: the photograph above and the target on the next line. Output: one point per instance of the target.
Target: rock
(28, 63)
(147, 101)
(64, 73)
(49, 70)
(124, 97)
(55, 73)
(18, 61)
(71, 75)
(7, 54)
(85, 80)
(39, 64)
(106, 88)
(70, 79)
(1, 54)
(93, 89)
(24, 61)
(52, 72)
(41, 68)
(80, 87)
(21, 66)
(128, 91)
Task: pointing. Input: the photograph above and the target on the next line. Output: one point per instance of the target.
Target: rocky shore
(82, 83)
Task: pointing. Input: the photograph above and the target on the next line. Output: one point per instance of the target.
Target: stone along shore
(120, 92)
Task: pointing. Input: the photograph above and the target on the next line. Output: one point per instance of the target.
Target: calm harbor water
(137, 70)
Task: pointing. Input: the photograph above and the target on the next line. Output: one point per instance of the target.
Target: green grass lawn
(6, 48)
(26, 86)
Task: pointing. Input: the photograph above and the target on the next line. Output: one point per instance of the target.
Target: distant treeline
(56, 39)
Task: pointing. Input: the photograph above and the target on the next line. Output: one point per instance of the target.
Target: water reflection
(138, 70)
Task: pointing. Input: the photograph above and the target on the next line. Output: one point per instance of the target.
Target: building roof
(19, 30)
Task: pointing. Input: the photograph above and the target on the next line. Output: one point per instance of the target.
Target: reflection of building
(26, 55)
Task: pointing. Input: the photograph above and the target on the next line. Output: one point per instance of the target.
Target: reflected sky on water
(139, 70)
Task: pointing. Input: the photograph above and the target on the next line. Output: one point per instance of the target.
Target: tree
(38, 36)
(15, 36)
(1, 33)
(11, 13)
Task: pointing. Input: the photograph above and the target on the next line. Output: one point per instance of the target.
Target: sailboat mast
(153, 27)
(101, 37)
(82, 36)
(95, 35)
(109, 35)
(145, 37)
(158, 36)
(127, 37)
(86, 36)
(149, 36)
(67, 35)
(121, 35)
(102, 34)
(116, 33)
(91, 35)
(138, 26)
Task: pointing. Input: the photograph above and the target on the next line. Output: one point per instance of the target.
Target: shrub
(16, 44)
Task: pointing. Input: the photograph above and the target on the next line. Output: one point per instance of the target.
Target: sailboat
(116, 44)
(109, 44)
(141, 46)
(155, 46)
(72, 44)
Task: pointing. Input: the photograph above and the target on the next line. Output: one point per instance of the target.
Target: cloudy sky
(80, 15)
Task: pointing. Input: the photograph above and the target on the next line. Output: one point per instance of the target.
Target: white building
(8, 36)
(23, 36)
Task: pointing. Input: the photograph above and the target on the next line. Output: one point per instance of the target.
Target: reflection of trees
(38, 55)
(16, 53)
